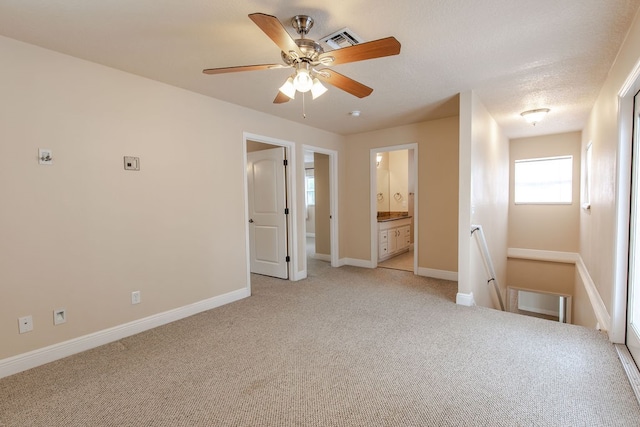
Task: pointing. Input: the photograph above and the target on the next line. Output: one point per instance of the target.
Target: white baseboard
(322, 257)
(364, 263)
(599, 309)
(299, 275)
(22, 362)
(438, 274)
(465, 299)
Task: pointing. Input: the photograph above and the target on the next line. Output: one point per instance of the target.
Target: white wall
(484, 197)
(83, 233)
(599, 247)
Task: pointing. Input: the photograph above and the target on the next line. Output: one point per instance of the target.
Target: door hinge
(288, 258)
(285, 162)
(286, 211)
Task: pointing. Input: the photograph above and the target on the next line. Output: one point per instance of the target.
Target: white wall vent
(341, 38)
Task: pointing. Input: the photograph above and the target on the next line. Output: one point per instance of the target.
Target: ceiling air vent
(342, 38)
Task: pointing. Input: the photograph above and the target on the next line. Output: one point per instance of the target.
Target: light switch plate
(135, 297)
(131, 163)
(25, 324)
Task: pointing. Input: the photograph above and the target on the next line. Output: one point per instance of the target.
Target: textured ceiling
(517, 55)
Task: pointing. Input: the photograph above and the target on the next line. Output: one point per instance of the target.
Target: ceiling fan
(304, 55)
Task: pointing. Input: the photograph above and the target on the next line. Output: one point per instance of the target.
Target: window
(547, 180)
(310, 187)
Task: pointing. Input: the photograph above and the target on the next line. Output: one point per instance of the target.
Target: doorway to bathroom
(394, 207)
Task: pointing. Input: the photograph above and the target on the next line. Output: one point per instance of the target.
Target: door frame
(373, 201)
(618, 329)
(333, 202)
(290, 194)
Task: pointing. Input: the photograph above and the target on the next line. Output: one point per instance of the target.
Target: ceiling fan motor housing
(310, 49)
(302, 24)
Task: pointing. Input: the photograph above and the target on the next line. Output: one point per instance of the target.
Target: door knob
(250, 221)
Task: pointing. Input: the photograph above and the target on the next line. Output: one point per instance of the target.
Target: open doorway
(624, 325)
(394, 208)
(320, 207)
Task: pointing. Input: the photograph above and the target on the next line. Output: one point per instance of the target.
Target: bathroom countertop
(392, 216)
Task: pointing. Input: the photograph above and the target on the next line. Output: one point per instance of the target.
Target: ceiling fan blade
(272, 27)
(343, 82)
(243, 68)
(376, 49)
(281, 98)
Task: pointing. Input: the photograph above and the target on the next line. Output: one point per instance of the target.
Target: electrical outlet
(59, 316)
(45, 156)
(25, 324)
(135, 297)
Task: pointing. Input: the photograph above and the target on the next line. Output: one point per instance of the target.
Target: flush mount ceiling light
(534, 116)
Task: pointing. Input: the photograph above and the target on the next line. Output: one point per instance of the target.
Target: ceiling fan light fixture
(303, 80)
(534, 116)
(288, 88)
(317, 89)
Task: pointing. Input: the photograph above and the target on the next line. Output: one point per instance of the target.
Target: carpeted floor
(346, 347)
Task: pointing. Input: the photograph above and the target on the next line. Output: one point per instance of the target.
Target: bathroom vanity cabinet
(394, 237)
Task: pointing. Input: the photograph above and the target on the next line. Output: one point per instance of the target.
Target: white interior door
(633, 309)
(267, 218)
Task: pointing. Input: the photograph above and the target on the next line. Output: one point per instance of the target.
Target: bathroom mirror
(392, 181)
(382, 194)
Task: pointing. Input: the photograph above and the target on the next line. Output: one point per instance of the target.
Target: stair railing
(486, 259)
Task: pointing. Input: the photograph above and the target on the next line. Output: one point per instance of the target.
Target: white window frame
(309, 192)
(550, 201)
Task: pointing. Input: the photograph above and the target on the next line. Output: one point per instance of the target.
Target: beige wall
(83, 233)
(546, 227)
(598, 226)
(310, 222)
(322, 208)
(258, 146)
(484, 196)
(437, 185)
(543, 276)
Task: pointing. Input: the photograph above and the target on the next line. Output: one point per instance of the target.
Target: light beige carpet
(346, 347)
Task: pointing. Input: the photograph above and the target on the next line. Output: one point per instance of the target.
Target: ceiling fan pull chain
(304, 114)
